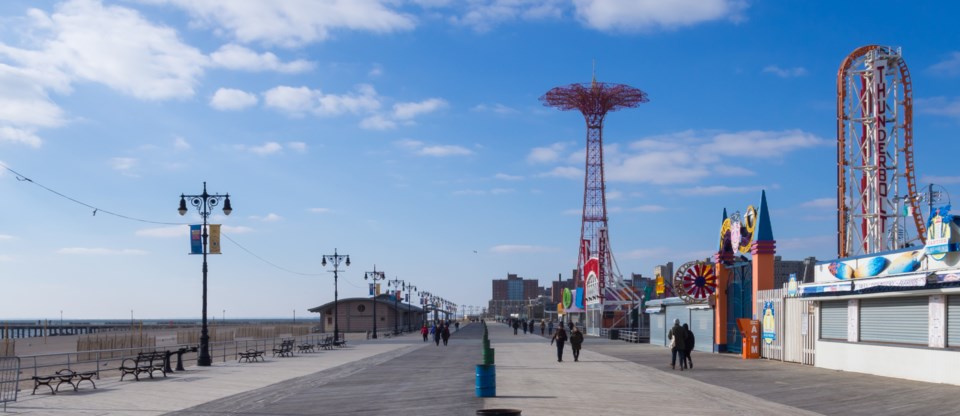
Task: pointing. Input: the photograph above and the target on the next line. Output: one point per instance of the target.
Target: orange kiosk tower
(763, 249)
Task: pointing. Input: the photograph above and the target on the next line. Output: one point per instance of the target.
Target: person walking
(524, 327)
(688, 343)
(576, 340)
(436, 334)
(570, 324)
(543, 327)
(445, 334)
(516, 324)
(424, 331)
(559, 337)
(550, 327)
(678, 346)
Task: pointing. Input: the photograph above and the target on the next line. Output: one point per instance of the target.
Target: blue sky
(409, 135)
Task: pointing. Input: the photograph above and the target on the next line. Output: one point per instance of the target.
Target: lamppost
(374, 275)
(335, 259)
(204, 203)
(403, 286)
(424, 301)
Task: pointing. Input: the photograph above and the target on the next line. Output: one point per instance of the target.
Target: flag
(371, 289)
(377, 289)
(214, 239)
(196, 244)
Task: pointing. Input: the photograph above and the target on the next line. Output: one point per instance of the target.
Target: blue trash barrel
(486, 380)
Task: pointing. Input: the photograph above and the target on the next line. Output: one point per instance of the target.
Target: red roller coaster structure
(594, 101)
(875, 163)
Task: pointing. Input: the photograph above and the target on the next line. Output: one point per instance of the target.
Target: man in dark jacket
(576, 340)
(688, 343)
(559, 337)
(677, 337)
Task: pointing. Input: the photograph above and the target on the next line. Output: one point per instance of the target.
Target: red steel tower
(595, 100)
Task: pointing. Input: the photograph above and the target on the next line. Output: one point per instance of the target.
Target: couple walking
(681, 343)
(576, 340)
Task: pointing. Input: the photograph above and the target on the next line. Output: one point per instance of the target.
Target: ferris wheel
(876, 187)
(695, 281)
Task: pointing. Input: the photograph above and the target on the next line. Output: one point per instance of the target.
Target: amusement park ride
(601, 278)
(876, 188)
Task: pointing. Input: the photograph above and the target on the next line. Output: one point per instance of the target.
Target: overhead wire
(23, 178)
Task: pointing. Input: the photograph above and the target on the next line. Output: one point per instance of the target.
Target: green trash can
(488, 356)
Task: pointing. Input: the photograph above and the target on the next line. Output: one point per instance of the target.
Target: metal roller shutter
(898, 320)
(953, 321)
(676, 312)
(658, 333)
(833, 320)
(701, 324)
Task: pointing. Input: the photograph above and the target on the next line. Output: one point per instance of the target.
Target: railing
(635, 336)
(107, 362)
(9, 380)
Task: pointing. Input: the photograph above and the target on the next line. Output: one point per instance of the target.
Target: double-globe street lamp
(403, 287)
(374, 276)
(335, 259)
(204, 203)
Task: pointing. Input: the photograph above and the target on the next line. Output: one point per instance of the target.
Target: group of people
(440, 331)
(560, 337)
(681, 344)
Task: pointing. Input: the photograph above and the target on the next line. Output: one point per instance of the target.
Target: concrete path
(404, 376)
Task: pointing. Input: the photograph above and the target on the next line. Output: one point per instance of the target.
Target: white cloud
(483, 15)
(507, 177)
(180, 143)
(96, 251)
(520, 249)
(271, 217)
(948, 67)
(226, 99)
(6, 258)
(378, 122)
(785, 72)
(820, 203)
(688, 156)
(17, 135)
(236, 229)
(648, 208)
(444, 150)
(406, 111)
(495, 108)
(941, 106)
(422, 149)
(289, 23)
(117, 47)
(267, 148)
(299, 147)
(320, 210)
(715, 190)
(547, 154)
(645, 253)
(5, 237)
(651, 15)
(236, 57)
(942, 180)
(165, 232)
(123, 164)
(565, 172)
(303, 100)
(480, 192)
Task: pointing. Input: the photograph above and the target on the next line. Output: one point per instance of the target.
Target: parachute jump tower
(595, 100)
(875, 166)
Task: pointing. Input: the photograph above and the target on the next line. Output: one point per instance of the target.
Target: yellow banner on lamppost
(660, 286)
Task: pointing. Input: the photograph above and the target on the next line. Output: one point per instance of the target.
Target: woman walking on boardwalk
(543, 327)
(424, 331)
(689, 340)
(576, 340)
(559, 337)
(436, 334)
(445, 334)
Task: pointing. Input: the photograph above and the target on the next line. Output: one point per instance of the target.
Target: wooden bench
(326, 343)
(305, 348)
(340, 343)
(146, 362)
(285, 349)
(250, 354)
(64, 376)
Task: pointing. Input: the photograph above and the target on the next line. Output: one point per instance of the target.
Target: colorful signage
(769, 323)
(792, 285)
(196, 244)
(938, 238)
(567, 298)
(660, 286)
(750, 341)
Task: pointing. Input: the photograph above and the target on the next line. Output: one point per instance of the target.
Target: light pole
(204, 203)
(375, 276)
(398, 284)
(335, 259)
(407, 289)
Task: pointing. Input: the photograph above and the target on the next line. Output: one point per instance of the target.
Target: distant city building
(511, 296)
